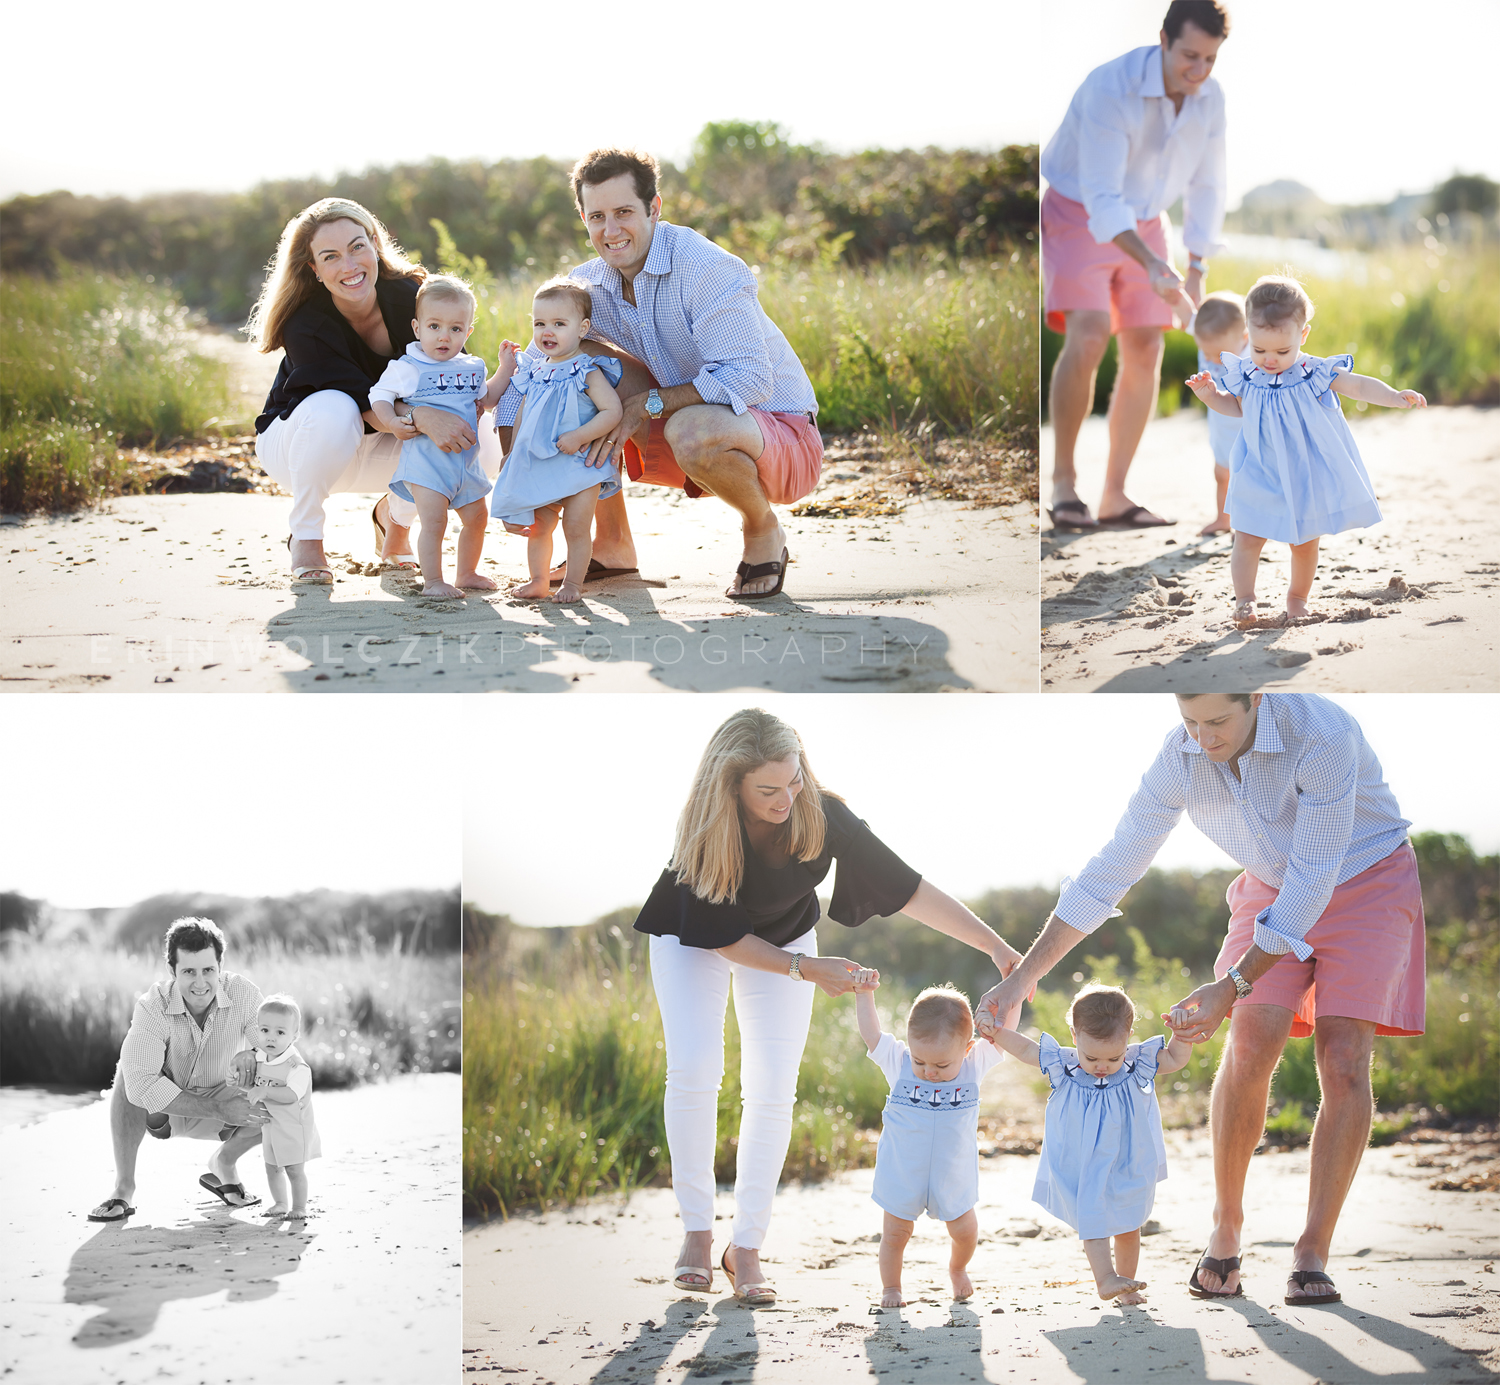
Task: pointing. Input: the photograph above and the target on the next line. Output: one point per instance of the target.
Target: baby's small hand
(866, 979)
(1177, 1018)
(1202, 383)
(1410, 399)
(569, 442)
(508, 352)
(524, 530)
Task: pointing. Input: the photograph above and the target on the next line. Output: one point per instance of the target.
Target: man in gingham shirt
(174, 1062)
(716, 401)
(1326, 936)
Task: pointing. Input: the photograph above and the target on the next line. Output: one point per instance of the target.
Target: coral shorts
(1080, 275)
(790, 463)
(1369, 959)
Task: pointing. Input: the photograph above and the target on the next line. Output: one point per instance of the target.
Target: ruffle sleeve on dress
(610, 367)
(1236, 374)
(1051, 1061)
(1148, 1056)
(1322, 373)
(523, 377)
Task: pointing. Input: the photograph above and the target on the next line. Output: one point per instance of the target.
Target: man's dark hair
(600, 165)
(1208, 15)
(1242, 698)
(193, 935)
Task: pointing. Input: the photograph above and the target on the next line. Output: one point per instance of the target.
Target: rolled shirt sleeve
(1103, 157)
(142, 1056)
(725, 327)
(1327, 787)
(1203, 200)
(1154, 810)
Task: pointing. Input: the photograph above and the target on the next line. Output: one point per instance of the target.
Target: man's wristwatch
(1242, 988)
(795, 970)
(654, 407)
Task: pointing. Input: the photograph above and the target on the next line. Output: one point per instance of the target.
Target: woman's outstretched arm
(834, 975)
(942, 912)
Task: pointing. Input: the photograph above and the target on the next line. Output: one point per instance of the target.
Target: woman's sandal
(300, 577)
(684, 1273)
(1223, 1268)
(402, 562)
(754, 1295)
(1302, 1278)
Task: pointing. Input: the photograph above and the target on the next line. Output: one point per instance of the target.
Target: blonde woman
(736, 908)
(340, 300)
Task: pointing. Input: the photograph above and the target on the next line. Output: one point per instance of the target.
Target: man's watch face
(654, 405)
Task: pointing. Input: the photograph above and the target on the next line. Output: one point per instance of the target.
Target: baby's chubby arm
(1177, 1053)
(1220, 401)
(496, 385)
(277, 1094)
(865, 982)
(1369, 390)
(1016, 1044)
(611, 411)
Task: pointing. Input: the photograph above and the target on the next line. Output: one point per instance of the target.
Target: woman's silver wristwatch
(795, 970)
(1242, 988)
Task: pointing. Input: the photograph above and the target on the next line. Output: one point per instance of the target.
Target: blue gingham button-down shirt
(1310, 811)
(165, 1050)
(1126, 153)
(696, 320)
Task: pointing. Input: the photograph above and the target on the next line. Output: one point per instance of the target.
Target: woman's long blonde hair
(290, 280)
(707, 854)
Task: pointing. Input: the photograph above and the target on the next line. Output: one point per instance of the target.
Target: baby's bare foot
(1111, 1286)
(1132, 1297)
(475, 581)
(891, 1298)
(276, 1210)
(1296, 607)
(963, 1286)
(568, 593)
(1244, 614)
(533, 590)
(1216, 526)
(443, 590)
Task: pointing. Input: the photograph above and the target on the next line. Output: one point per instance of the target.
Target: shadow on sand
(131, 1271)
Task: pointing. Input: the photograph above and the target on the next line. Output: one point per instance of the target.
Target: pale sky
(975, 792)
(109, 801)
(1359, 102)
(175, 94)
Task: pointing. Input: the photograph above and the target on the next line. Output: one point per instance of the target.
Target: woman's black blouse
(780, 904)
(324, 352)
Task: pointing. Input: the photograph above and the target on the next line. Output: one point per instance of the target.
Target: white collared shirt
(1127, 154)
(165, 1050)
(1310, 811)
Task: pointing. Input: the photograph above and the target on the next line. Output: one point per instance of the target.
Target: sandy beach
(1410, 605)
(191, 593)
(583, 1295)
(189, 1290)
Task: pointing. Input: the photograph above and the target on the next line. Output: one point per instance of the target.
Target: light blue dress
(452, 385)
(535, 472)
(928, 1156)
(1295, 473)
(1223, 431)
(1102, 1150)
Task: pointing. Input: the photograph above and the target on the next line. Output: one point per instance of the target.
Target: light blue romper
(928, 1156)
(1102, 1150)
(1295, 472)
(1223, 431)
(453, 385)
(535, 472)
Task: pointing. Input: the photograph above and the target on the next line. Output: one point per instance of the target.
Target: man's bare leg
(1237, 1119)
(1072, 395)
(1340, 1133)
(127, 1128)
(1130, 409)
(221, 1163)
(718, 448)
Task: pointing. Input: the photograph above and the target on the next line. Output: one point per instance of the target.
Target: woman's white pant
(774, 1012)
(323, 449)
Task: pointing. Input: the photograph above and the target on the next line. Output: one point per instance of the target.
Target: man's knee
(703, 436)
(1344, 1064)
(1087, 337)
(1141, 347)
(1253, 1048)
